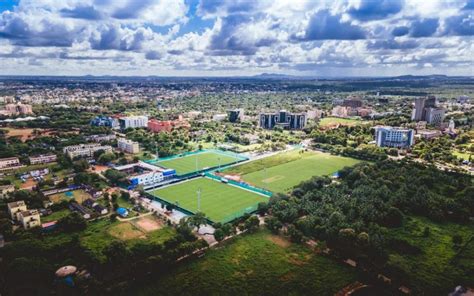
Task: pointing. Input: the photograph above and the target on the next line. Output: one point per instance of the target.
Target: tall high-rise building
(352, 102)
(284, 119)
(426, 110)
(434, 116)
(387, 136)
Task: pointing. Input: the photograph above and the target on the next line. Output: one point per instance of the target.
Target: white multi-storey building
(387, 136)
(43, 159)
(128, 146)
(101, 138)
(9, 163)
(133, 122)
(147, 175)
(15, 208)
(29, 219)
(85, 150)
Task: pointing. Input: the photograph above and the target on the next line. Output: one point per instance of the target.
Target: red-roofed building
(158, 126)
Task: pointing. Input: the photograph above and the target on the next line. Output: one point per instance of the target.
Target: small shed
(122, 212)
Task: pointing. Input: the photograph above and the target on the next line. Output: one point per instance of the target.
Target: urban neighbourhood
(236, 148)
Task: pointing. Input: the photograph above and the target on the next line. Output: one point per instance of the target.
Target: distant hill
(275, 76)
(411, 77)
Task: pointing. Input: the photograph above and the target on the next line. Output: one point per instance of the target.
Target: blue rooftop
(122, 211)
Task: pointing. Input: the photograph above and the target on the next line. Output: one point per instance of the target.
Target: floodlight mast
(199, 199)
(265, 176)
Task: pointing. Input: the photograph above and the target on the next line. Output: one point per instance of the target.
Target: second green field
(283, 171)
(219, 201)
(196, 162)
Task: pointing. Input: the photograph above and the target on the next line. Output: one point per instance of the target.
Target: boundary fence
(239, 158)
(226, 153)
(249, 210)
(242, 185)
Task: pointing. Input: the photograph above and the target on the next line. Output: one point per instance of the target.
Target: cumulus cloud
(40, 32)
(393, 44)
(460, 25)
(242, 36)
(372, 10)
(115, 37)
(82, 12)
(469, 5)
(231, 36)
(424, 27)
(153, 55)
(400, 31)
(325, 26)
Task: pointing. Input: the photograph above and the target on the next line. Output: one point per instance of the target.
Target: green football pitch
(281, 172)
(219, 201)
(196, 162)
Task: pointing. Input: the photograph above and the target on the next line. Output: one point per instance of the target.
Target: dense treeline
(352, 215)
(33, 257)
(376, 194)
(351, 141)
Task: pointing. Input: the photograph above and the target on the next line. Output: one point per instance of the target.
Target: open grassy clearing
(196, 162)
(281, 172)
(101, 233)
(55, 216)
(439, 266)
(462, 155)
(333, 121)
(220, 202)
(25, 133)
(255, 264)
(78, 195)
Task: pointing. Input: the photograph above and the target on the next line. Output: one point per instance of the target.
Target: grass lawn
(220, 202)
(440, 266)
(123, 203)
(255, 264)
(461, 155)
(125, 231)
(281, 172)
(24, 133)
(79, 195)
(55, 216)
(99, 234)
(187, 164)
(331, 121)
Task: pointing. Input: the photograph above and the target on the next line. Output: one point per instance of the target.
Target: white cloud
(107, 37)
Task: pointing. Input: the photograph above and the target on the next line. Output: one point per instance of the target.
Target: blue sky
(239, 37)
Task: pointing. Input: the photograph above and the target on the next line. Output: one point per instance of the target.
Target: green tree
(116, 177)
(219, 235)
(251, 224)
(106, 158)
(273, 224)
(198, 219)
(80, 165)
(72, 222)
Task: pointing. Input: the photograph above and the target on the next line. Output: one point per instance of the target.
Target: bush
(72, 222)
(457, 239)
(219, 235)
